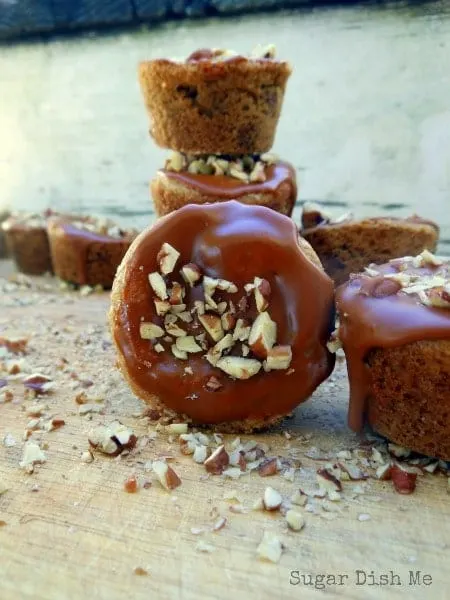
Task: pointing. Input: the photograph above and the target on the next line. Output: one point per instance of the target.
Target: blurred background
(366, 119)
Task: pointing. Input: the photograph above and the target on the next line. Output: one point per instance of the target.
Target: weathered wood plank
(70, 531)
(85, 13)
(25, 16)
(19, 17)
(155, 9)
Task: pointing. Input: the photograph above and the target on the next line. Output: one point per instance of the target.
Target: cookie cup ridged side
(227, 107)
(83, 257)
(29, 248)
(410, 396)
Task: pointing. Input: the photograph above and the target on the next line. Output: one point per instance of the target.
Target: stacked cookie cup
(223, 314)
(217, 112)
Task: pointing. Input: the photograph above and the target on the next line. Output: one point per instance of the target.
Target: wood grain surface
(70, 531)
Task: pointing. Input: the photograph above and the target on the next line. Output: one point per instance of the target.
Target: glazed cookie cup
(220, 315)
(394, 326)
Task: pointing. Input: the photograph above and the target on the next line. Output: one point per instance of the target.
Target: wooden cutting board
(71, 531)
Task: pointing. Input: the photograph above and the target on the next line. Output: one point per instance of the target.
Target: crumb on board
(307, 481)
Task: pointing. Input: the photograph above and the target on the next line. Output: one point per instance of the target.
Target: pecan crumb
(404, 481)
(14, 345)
(218, 460)
(213, 384)
(41, 384)
(166, 475)
(268, 467)
(270, 547)
(131, 485)
(112, 439)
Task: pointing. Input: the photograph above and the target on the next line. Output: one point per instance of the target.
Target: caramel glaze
(80, 241)
(236, 242)
(323, 222)
(228, 188)
(369, 319)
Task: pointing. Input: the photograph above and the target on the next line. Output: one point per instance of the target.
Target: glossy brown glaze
(228, 188)
(236, 242)
(375, 313)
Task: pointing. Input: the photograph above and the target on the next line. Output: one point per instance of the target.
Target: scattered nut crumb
(219, 524)
(272, 499)
(112, 439)
(295, 520)
(41, 384)
(32, 455)
(131, 485)
(9, 441)
(6, 396)
(299, 498)
(87, 457)
(204, 547)
(364, 517)
(81, 398)
(53, 424)
(238, 509)
(36, 410)
(328, 481)
(268, 467)
(404, 481)
(16, 345)
(270, 548)
(166, 475)
(258, 504)
(177, 428)
(217, 462)
(88, 408)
